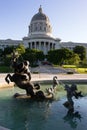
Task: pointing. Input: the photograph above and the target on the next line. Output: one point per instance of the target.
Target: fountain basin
(28, 114)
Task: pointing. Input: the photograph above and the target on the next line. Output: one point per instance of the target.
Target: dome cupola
(39, 16)
(40, 24)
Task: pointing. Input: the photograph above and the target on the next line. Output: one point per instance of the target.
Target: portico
(44, 46)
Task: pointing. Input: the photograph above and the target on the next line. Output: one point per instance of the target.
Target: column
(35, 45)
(48, 46)
(39, 45)
(45, 49)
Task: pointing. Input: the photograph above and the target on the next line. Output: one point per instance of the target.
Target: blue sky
(68, 18)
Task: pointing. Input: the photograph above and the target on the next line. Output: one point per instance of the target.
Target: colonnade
(41, 45)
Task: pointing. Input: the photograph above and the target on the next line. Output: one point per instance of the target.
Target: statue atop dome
(40, 9)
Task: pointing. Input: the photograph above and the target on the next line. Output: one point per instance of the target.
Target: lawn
(5, 69)
(81, 70)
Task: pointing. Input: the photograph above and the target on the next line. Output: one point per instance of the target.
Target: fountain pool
(25, 114)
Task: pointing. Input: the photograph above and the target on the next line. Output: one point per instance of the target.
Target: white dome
(40, 24)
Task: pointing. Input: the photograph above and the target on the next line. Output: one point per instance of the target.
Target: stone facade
(9, 42)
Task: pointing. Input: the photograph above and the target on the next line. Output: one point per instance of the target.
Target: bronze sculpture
(71, 91)
(22, 78)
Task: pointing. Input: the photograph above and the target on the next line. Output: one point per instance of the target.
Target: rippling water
(25, 114)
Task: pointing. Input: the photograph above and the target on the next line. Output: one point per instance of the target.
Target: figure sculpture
(21, 68)
(71, 91)
(22, 78)
(52, 89)
(32, 90)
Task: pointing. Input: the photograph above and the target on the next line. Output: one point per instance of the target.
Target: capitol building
(40, 36)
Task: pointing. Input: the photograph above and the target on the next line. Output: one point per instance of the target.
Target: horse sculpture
(23, 83)
(22, 78)
(32, 90)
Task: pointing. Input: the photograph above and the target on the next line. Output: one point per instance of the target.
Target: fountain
(28, 114)
(22, 78)
(25, 113)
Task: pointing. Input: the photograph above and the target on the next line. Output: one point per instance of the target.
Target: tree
(75, 59)
(1, 52)
(81, 51)
(20, 49)
(52, 56)
(59, 56)
(6, 55)
(39, 55)
(33, 55)
(8, 50)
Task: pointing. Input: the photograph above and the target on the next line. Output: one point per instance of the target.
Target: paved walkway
(44, 77)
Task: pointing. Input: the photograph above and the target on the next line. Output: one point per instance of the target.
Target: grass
(5, 69)
(69, 66)
(81, 70)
